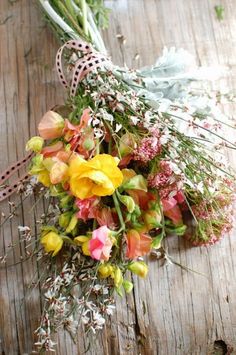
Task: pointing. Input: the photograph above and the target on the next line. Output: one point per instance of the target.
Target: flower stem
(84, 14)
(117, 206)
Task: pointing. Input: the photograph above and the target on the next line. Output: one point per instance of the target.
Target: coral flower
(99, 176)
(104, 217)
(52, 150)
(87, 208)
(51, 125)
(138, 244)
(172, 210)
(101, 243)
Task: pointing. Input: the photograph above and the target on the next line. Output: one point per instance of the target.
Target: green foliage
(101, 13)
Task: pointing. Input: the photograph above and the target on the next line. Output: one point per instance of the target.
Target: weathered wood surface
(173, 311)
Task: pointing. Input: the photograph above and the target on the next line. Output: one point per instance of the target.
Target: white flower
(23, 229)
(135, 120)
(118, 127)
(98, 132)
(109, 309)
(98, 319)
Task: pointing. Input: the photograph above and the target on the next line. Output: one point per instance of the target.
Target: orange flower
(137, 244)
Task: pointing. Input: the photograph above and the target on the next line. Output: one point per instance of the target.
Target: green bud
(127, 144)
(35, 144)
(138, 182)
(72, 224)
(139, 268)
(118, 278)
(64, 219)
(65, 200)
(128, 202)
(128, 286)
(156, 243)
(88, 144)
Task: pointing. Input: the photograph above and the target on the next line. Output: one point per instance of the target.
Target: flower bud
(128, 286)
(118, 278)
(127, 144)
(139, 268)
(138, 182)
(105, 270)
(128, 202)
(35, 144)
(51, 125)
(52, 242)
(64, 219)
(43, 177)
(66, 200)
(83, 241)
(152, 219)
(72, 224)
(59, 172)
(88, 144)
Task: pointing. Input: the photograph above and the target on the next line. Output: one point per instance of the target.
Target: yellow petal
(81, 239)
(85, 248)
(44, 178)
(81, 188)
(75, 165)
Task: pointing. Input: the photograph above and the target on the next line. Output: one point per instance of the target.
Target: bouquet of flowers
(131, 157)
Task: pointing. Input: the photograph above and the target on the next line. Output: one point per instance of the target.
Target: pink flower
(180, 198)
(172, 210)
(100, 245)
(148, 148)
(87, 208)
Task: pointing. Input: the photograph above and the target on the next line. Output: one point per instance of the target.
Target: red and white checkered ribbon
(88, 61)
(10, 189)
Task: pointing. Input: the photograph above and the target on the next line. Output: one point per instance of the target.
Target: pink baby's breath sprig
(148, 148)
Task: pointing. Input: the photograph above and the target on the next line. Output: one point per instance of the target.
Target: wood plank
(173, 311)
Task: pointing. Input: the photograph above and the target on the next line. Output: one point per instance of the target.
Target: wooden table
(172, 312)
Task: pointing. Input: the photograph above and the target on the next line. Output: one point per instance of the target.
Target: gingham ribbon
(10, 189)
(88, 61)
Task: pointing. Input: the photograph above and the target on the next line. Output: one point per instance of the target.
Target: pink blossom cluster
(148, 149)
(162, 177)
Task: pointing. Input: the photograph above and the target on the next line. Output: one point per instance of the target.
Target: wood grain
(172, 312)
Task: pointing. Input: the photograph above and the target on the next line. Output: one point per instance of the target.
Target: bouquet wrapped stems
(74, 19)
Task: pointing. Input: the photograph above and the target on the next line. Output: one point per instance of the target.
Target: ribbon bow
(86, 63)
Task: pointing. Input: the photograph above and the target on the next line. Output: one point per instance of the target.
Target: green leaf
(156, 243)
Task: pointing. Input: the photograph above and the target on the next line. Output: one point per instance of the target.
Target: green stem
(85, 20)
(117, 206)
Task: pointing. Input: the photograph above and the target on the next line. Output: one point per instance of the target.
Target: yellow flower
(52, 242)
(99, 176)
(44, 177)
(139, 268)
(105, 270)
(83, 241)
(118, 277)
